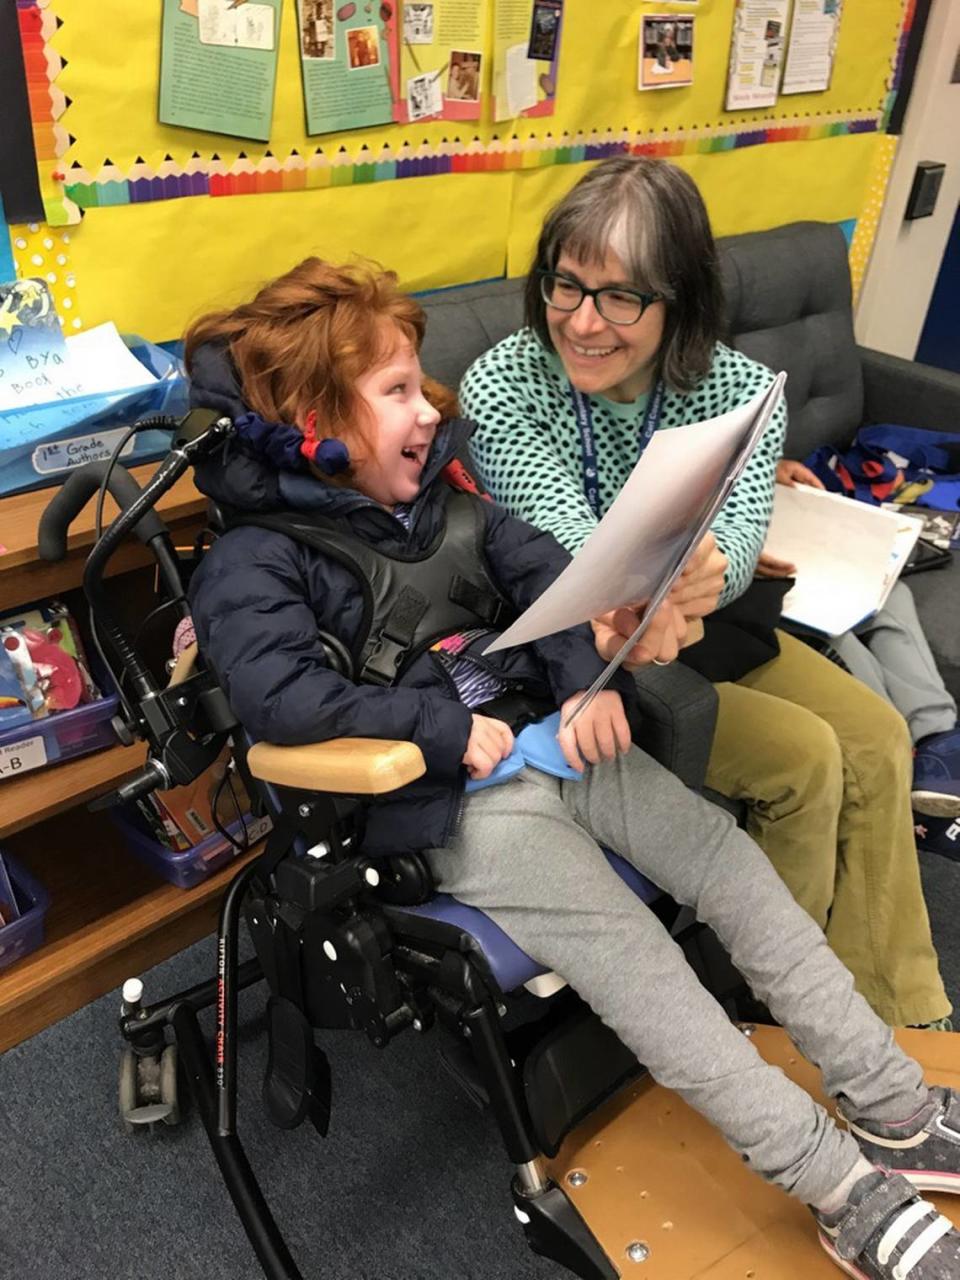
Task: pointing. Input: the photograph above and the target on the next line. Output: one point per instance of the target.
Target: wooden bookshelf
(110, 917)
(45, 792)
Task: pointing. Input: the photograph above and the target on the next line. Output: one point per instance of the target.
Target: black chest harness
(409, 601)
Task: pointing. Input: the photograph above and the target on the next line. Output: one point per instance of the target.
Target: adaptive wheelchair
(346, 942)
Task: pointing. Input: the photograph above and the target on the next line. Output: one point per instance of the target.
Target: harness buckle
(383, 663)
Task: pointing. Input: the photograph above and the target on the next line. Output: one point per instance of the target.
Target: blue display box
(41, 444)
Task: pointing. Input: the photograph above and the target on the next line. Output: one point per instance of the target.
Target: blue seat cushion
(510, 966)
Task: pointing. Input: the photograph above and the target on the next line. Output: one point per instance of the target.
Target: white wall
(906, 256)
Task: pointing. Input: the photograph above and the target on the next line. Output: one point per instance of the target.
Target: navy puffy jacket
(259, 599)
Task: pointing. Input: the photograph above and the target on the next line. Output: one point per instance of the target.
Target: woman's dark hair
(651, 215)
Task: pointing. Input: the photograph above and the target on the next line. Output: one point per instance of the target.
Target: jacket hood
(238, 475)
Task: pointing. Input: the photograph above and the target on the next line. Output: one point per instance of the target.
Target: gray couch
(788, 302)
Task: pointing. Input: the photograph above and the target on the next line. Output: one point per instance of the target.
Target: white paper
(424, 96)
(848, 555)
(101, 361)
(756, 53)
(638, 549)
(521, 77)
(96, 362)
(813, 42)
(241, 26)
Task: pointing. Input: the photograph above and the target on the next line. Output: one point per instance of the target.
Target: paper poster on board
(218, 66)
(349, 64)
(665, 56)
(813, 43)
(526, 57)
(756, 53)
(442, 61)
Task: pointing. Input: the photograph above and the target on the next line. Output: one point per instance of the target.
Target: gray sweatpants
(527, 855)
(889, 653)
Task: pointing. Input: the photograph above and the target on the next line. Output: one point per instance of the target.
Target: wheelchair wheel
(127, 1093)
(168, 1084)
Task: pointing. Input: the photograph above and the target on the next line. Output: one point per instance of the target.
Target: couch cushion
(788, 305)
(464, 322)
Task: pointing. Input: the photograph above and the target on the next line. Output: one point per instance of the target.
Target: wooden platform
(659, 1174)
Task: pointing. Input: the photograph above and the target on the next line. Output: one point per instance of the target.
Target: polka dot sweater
(527, 444)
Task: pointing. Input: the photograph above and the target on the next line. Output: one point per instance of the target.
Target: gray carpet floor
(411, 1184)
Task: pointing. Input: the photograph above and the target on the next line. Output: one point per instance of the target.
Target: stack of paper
(848, 555)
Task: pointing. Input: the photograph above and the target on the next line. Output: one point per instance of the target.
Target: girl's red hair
(307, 337)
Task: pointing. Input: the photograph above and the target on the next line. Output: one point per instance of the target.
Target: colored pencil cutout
(364, 170)
(138, 181)
(342, 168)
(385, 166)
(269, 176)
(243, 176)
(112, 188)
(318, 170)
(80, 186)
(167, 182)
(294, 172)
(195, 179)
(217, 177)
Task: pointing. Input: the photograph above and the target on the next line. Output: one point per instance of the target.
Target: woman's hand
(490, 742)
(697, 590)
(794, 473)
(600, 733)
(770, 567)
(661, 642)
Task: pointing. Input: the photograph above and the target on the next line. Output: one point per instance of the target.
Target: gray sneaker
(887, 1232)
(926, 1151)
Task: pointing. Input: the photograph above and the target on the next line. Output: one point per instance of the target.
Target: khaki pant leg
(784, 763)
(878, 923)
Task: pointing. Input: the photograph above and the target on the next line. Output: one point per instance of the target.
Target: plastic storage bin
(190, 867)
(58, 737)
(40, 444)
(26, 934)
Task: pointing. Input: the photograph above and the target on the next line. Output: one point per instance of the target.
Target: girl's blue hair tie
(290, 449)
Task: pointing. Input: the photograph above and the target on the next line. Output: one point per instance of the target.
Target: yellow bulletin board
(441, 202)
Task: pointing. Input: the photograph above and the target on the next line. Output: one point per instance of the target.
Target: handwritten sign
(34, 365)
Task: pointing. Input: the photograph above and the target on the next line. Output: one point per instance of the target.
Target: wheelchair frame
(310, 905)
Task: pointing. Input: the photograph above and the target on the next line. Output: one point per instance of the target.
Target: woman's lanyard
(588, 448)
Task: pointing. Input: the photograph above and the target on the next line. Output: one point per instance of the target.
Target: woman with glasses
(622, 339)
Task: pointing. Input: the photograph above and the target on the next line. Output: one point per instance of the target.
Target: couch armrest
(355, 766)
(909, 394)
(679, 709)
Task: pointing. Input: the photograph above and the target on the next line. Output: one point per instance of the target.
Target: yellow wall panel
(152, 267)
(746, 190)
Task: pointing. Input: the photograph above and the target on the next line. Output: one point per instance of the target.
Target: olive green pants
(825, 768)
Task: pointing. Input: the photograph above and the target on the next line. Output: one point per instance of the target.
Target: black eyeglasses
(619, 306)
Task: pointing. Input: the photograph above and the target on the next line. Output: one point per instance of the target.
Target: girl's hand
(661, 642)
(600, 733)
(490, 742)
(697, 590)
(794, 473)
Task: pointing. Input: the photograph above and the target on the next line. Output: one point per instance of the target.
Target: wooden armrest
(357, 766)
